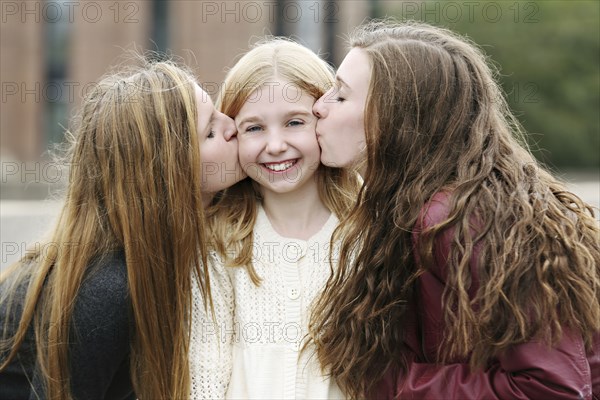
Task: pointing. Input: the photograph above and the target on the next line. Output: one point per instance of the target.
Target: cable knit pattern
(268, 323)
(210, 346)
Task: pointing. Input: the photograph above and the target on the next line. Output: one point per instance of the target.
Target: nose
(230, 130)
(319, 107)
(276, 143)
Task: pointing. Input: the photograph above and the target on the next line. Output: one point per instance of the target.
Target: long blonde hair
(134, 186)
(233, 221)
(436, 120)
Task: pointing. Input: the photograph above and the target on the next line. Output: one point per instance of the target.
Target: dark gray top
(99, 340)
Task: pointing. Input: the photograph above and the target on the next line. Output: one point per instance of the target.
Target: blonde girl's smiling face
(278, 147)
(218, 146)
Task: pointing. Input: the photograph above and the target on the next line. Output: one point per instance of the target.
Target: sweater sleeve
(527, 370)
(99, 339)
(211, 342)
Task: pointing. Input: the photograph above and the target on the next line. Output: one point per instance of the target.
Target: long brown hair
(233, 220)
(135, 187)
(436, 120)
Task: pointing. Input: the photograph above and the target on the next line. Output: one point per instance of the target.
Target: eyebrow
(254, 118)
(210, 120)
(297, 112)
(340, 80)
(248, 120)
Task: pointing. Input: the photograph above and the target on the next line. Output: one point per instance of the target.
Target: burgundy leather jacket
(528, 371)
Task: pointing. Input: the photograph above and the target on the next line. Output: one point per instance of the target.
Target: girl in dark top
(103, 310)
(466, 270)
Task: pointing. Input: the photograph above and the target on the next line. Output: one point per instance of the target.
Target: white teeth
(280, 167)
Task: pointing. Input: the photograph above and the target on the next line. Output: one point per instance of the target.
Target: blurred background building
(51, 51)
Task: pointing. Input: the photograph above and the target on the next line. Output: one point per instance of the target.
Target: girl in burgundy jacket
(466, 269)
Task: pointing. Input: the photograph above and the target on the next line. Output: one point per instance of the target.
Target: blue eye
(253, 128)
(295, 123)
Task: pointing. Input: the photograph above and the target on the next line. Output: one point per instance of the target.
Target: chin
(326, 161)
(330, 163)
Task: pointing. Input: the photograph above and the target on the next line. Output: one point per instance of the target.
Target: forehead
(355, 69)
(205, 106)
(280, 93)
(202, 97)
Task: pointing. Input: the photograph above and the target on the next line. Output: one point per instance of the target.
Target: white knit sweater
(253, 349)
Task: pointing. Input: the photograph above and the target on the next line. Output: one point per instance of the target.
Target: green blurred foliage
(548, 55)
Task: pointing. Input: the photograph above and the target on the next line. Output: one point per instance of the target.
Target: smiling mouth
(281, 166)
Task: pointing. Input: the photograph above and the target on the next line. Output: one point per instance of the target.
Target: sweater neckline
(263, 225)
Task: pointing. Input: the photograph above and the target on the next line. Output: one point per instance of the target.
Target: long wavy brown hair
(232, 221)
(436, 120)
(134, 186)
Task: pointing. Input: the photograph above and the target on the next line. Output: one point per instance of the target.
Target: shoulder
(106, 278)
(434, 211)
(262, 225)
(103, 299)
(101, 329)
(218, 272)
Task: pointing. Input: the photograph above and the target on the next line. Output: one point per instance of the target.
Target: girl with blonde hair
(275, 228)
(466, 270)
(102, 311)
